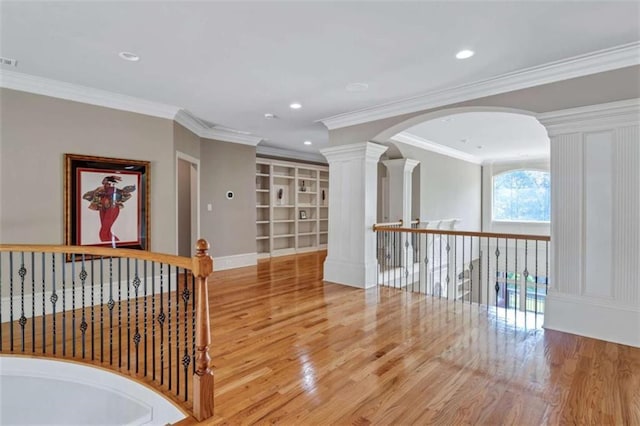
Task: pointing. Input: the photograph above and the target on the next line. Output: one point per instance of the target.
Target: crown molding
(204, 130)
(88, 95)
(418, 142)
(592, 117)
(369, 151)
(577, 66)
(269, 151)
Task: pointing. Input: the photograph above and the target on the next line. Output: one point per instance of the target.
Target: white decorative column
(399, 173)
(353, 180)
(595, 221)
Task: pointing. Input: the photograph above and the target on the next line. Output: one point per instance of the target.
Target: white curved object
(47, 392)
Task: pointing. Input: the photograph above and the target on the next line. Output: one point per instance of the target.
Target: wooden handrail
(180, 261)
(377, 228)
(203, 376)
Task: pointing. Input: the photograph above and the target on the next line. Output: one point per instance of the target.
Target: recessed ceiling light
(479, 147)
(464, 54)
(357, 87)
(295, 105)
(464, 140)
(128, 56)
(269, 116)
(307, 142)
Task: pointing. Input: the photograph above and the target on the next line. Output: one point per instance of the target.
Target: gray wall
(35, 134)
(230, 226)
(448, 188)
(184, 208)
(185, 141)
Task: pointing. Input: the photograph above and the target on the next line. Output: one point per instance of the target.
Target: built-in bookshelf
(292, 209)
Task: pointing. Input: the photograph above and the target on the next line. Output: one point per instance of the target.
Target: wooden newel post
(203, 378)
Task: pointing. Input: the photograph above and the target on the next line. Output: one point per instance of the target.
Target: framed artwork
(303, 214)
(106, 202)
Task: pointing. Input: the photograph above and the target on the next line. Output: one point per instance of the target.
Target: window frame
(518, 221)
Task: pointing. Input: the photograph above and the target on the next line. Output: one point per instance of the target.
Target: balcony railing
(141, 314)
(508, 273)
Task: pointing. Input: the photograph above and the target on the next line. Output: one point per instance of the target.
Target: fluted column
(351, 257)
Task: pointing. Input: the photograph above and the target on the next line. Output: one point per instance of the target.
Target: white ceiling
(229, 63)
(486, 136)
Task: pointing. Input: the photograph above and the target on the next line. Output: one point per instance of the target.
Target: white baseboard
(31, 302)
(235, 261)
(583, 316)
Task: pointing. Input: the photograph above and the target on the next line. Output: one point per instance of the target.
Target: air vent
(8, 61)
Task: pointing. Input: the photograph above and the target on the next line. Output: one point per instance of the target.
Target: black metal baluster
(537, 277)
(178, 331)
(161, 319)
(11, 300)
(448, 277)
(64, 304)
(33, 302)
(395, 255)
(119, 312)
(546, 269)
(515, 283)
(464, 273)
(469, 267)
(488, 271)
(93, 316)
(22, 272)
(193, 321)
(144, 264)
(136, 335)
(497, 277)
(440, 279)
(128, 314)
(111, 304)
(73, 305)
(101, 309)
(185, 357)
(377, 256)
(505, 290)
(44, 321)
(525, 273)
(406, 261)
(455, 269)
(426, 263)
(479, 271)
(433, 264)
(169, 320)
(54, 299)
(83, 322)
(153, 320)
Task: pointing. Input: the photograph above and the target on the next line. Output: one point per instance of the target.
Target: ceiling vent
(8, 61)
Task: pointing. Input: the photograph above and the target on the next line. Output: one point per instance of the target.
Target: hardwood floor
(289, 349)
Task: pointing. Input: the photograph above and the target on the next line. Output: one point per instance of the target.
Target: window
(521, 195)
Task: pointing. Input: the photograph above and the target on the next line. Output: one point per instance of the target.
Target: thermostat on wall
(229, 195)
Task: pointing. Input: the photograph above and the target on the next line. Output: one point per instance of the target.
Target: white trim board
(290, 154)
(182, 156)
(577, 66)
(223, 263)
(207, 131)
(604, 321)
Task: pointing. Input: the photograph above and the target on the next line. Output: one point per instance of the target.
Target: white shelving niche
(292, 210)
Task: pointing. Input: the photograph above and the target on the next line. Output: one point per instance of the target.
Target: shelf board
(324, 219)
(307, 220)
(323, 232)
(284, 236)
(282, 177)
(287, 206)
(305, 234)
(323, 180)
(261, 222)
(262, 206)
(262, 174)
(264, 237)
(284, 221)
(324, 207)
(262, 190)
(307, 192)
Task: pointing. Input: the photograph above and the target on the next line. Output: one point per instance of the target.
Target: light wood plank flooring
(289, 349)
